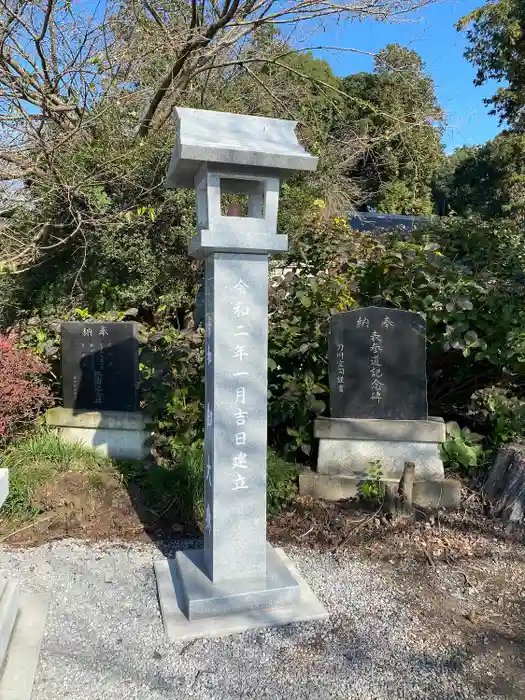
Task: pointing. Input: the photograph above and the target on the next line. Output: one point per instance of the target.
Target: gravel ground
(104, 638)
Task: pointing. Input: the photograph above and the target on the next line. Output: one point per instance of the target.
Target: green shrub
(282, 485)
(465, 276)
(372, 488)
(170, 488)
(503, 412)
(461, 450)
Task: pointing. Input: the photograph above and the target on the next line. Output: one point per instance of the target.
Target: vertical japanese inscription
(340, 367)
(377, 362)
(376, 349)
(235, 416)
(241, 338)
(100, 366)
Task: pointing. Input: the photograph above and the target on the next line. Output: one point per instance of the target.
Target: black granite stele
(100, 367)
(377, 364)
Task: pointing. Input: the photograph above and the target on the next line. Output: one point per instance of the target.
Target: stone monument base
(444, 493)
(116, 434)
(193, 607)
(350, 447)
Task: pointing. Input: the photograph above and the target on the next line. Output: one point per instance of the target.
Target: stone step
(21, 662)
(9, 606)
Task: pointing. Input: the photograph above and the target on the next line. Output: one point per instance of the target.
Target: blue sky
(441, 47)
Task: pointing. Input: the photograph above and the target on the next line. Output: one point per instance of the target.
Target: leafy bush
(504, 413)
(172, 372)
(282, 484)
(465, 276)
(22, 392)
(372, 488)
(461, 449)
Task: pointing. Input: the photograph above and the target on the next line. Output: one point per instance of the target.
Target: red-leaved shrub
(22, 393)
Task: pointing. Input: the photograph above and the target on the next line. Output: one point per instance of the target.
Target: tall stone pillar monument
(238, 580)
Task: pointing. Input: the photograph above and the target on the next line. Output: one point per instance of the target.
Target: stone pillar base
(116, 434)
(350, 446)
(193, 607)
(203, 598)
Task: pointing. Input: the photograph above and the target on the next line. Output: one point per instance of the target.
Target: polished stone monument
(377, 365)
(100, 385)
(238, 580)
(100, 366)
(378, 403)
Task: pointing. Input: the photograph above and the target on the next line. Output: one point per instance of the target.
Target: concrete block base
(329, 488)
(116, 434)
(302, 605)
(21, 662)
(203, 598)
(349, 447)
(444, 493)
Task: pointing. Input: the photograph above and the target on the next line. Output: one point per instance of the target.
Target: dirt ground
(463, 571)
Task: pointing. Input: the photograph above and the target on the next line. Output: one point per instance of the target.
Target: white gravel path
(104, 637)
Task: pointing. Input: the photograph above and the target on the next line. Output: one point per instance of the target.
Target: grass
(172, 490)
(38, 459)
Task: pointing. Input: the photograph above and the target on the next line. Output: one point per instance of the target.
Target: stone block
(426, 494)
(178, 628)
(368, 429)
(117, 444)
(239, 140)
(505, 483)
(205, 243)
(329, 488)
(437, 494)
(206, 599)
(115, 434)
(21, 663)
(353, 458)
(112, 420)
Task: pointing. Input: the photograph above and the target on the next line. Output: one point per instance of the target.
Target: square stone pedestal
(350, 446)
(193, 606)
(116, 434)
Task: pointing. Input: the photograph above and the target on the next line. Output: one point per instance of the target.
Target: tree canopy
(394, 113)
(496, 36)
(86, 98)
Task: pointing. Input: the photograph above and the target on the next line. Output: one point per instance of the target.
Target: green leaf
(471, 337)
(272, 364)
(317, 405)
(453, 429)
(464, 304)
(305, 301)
(467, 454)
